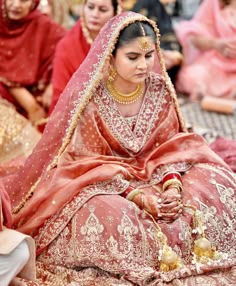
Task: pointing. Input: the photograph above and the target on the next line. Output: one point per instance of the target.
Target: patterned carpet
(209, 124)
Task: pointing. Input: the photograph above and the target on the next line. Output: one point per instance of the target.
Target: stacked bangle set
(172, 179)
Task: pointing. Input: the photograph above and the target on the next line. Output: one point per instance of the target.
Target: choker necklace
(125, 98)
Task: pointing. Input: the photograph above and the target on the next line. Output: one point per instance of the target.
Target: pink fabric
(206, 72)
(67, 196)
(5, 209)
(12, 166)
(226, 149)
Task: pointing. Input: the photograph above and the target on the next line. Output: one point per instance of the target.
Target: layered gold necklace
(125, 98)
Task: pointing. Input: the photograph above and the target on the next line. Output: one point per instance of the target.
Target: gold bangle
(142, 200)
(133, 194)
(173, 182)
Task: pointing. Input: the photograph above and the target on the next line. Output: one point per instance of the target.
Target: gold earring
(112, 74)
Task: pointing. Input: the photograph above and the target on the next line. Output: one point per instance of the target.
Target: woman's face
(18, 9)
(132, 62)
(97, 13)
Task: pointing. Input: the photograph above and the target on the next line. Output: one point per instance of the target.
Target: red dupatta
(27, 49)
(70, 53)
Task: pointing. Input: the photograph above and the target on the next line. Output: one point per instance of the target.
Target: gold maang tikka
(144, 41)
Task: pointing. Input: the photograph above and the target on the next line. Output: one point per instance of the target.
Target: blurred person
(76, 8)
(59, 10)
(73, 49)
(184, 9)
(28, 39)
(155, 10)
(209, 46)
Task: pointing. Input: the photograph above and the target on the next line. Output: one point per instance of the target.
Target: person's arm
(26, 100)
(172, 58)
(46, 98)
(226, 47)
(203, 43)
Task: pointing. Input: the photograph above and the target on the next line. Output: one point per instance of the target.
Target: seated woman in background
(209, 47)
(116, 191)
(59, 10)
(73, 49)
(155, 10)
(28, 41)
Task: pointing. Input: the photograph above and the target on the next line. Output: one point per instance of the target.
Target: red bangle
(170, 176)
(127, 191)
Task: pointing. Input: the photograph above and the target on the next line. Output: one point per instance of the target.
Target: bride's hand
(150, 203)
(166, 206)
(170, 204)
(170, 195)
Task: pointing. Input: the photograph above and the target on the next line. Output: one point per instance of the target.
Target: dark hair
(115, 6)
(133, 31)
(225, 2)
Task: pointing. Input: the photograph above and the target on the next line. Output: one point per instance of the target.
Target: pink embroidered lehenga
(68, 195)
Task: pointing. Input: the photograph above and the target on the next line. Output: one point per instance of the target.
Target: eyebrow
(135, 53)
(100, 6)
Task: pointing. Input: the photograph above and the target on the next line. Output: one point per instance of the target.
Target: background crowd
(44, 42)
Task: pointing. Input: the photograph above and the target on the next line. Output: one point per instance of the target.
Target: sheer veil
(70, 106)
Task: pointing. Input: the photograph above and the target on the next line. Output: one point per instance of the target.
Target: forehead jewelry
(144, 41)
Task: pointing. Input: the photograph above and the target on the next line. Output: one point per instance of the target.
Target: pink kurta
(207, 72)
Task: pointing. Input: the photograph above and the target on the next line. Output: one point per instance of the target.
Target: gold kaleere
(168, 258)
(203, 250)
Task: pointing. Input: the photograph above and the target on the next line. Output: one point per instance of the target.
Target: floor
(207, 123)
